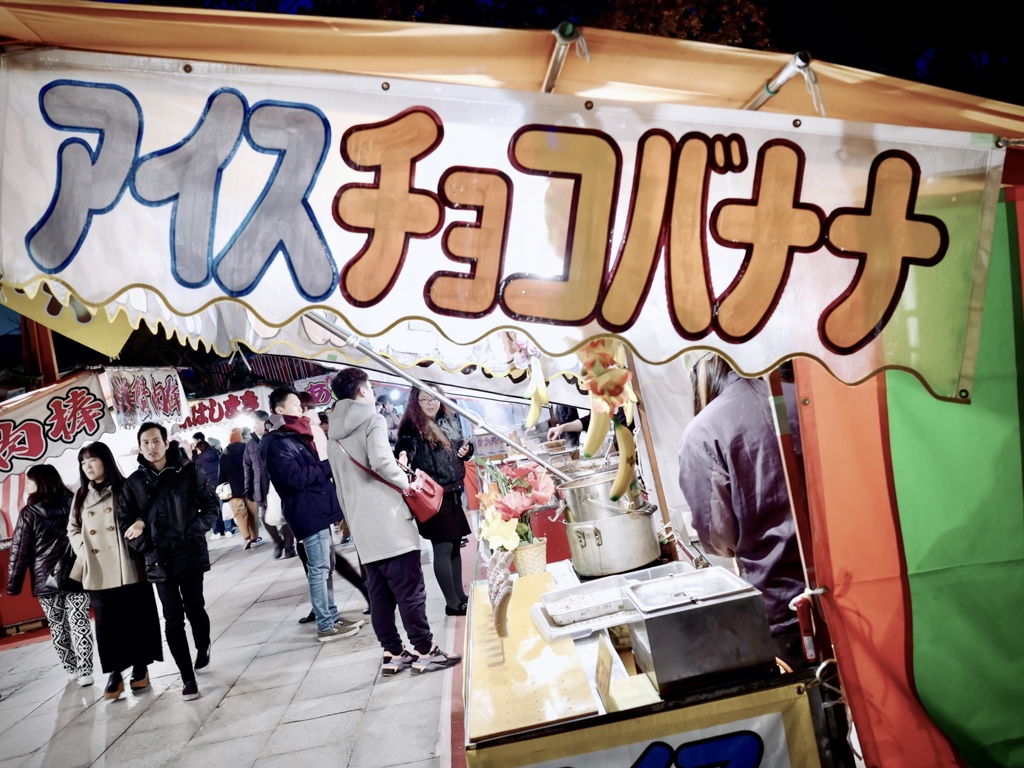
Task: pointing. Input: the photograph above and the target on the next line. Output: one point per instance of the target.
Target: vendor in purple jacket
(730, 471)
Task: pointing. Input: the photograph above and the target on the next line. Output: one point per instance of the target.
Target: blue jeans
(320, 563)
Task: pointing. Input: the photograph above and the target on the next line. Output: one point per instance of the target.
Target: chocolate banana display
(627, 461)
(597, 432)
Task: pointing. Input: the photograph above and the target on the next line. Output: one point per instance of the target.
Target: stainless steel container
(615, 544)
(699, 628)
(588, 498)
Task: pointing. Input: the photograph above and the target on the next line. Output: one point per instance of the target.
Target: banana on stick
(597, 432)
(537, 392)
(627, 461)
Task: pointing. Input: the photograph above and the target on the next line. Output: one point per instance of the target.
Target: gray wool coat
(381, 524)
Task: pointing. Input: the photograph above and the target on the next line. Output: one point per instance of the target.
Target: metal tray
(599, 597)
(701, 586)
(660, 571)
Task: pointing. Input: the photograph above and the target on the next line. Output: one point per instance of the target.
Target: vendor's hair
(347, 383)
(50, 489)
(708, 378)
(148, 425)
(427, 428)
(112, 476)
(279, 395)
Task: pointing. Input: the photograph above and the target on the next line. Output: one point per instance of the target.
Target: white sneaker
(85, 680)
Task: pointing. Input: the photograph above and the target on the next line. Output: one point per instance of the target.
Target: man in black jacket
(166, 509)
(310, 505)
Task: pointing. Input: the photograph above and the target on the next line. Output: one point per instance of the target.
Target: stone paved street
(272, 695)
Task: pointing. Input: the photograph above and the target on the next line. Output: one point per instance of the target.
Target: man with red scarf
(310, 504)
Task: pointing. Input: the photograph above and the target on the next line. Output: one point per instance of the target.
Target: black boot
(115, 686)
(140, 677)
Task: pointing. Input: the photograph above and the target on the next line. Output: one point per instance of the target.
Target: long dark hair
(50, 489)
(425, 427)
(708, 378)
(111, 475)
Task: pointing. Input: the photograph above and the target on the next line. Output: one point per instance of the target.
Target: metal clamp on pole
(353, 341)
(565, 34)
(800, 63)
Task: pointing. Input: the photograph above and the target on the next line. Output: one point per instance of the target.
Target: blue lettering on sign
(187, 175)
(89, 181)
(742, 749)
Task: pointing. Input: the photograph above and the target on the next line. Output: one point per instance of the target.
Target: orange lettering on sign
(770, 227)
(592, 161)
(391, 209)
(689, 275)
(480, 243)
(638, 256)
(886, 237)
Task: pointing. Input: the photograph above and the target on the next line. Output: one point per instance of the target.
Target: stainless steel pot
(614, 544)
(588, 498)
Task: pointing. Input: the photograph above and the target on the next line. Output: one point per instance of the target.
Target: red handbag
(423, 496)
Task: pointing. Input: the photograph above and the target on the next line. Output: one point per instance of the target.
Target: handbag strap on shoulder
(367, 470)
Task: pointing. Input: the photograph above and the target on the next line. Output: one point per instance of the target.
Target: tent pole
(351, 340)
(565, 34)
(666, 517)
(801, 61)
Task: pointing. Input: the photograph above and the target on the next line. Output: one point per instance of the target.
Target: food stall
(571, 216)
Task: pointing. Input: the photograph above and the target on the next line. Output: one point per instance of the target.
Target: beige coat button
(92, 533)
(110, 527)
(109, 510)
(91, 513)
(95, 551)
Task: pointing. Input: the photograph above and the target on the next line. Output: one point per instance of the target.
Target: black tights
(448, 572)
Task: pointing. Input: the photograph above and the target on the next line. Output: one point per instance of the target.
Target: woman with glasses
(429, 438)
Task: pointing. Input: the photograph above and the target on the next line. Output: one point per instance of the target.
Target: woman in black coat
(430, 438)
(40, 538)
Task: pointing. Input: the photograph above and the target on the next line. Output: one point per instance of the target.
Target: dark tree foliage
(726, 22)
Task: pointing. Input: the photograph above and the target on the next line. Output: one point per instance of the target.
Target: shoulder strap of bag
(367, 470)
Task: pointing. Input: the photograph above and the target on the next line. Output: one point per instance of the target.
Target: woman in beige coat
(127, 625)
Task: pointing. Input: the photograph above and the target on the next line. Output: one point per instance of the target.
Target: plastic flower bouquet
(512, 493)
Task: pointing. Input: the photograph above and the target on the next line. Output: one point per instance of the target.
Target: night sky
(977, 49)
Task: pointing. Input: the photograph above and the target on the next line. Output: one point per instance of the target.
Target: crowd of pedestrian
(296, 474)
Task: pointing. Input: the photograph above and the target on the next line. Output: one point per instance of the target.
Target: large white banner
(759, 235)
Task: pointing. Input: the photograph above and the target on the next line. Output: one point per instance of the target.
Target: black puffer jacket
(176, 527)
(209, 462)
(40, 538)
(231, 470)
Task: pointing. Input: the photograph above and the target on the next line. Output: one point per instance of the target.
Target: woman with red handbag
(430, 439)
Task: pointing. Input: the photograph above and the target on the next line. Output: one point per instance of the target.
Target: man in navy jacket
(309, 503)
